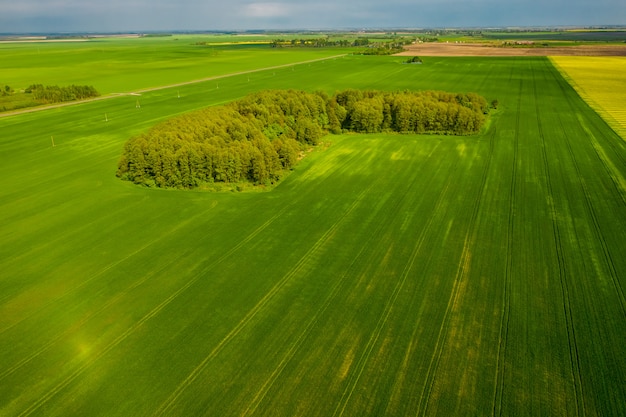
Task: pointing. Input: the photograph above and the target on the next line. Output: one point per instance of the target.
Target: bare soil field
(476, 49)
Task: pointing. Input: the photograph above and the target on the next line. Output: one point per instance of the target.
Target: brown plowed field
(469, 49)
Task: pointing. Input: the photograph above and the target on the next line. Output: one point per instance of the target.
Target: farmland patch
(387, 275)
(601, 81)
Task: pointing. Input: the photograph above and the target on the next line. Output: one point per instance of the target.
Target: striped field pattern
(387, 275)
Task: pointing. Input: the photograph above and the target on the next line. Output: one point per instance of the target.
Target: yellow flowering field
(601, 81)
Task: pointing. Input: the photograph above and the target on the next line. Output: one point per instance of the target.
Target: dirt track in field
(474, 49)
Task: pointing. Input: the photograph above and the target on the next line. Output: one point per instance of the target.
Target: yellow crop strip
(601, 82)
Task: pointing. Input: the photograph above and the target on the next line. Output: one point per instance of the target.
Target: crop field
(388, 274)
(122, 65)
(601, 81)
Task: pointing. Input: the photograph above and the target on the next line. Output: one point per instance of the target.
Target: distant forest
(260, 137)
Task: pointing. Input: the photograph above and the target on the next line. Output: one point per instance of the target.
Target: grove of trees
(260, 137)
(56, 94)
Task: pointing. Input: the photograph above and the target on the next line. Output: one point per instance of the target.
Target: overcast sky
(167, 15)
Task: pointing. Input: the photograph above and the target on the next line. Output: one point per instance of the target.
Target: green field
(387, 275)
(123, 65)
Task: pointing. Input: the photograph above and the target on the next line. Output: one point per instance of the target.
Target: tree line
(6, 91)
(323, 42)
(260, 137)
(56, 94)
(372, 47)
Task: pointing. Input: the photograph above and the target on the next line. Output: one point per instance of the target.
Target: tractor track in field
(98, 273)
(163, 87)
(574, 358)
(155, 311)
(460, 278)
(498, 391)
(43, 399)
(68, 332)
(608, 258)
(462, 272)
(382, 321)
(22, 257)
(373, 237)
(303, 264)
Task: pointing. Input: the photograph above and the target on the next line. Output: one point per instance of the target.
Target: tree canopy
(260, 137)
(56, 94)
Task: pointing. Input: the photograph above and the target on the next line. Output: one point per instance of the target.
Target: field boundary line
(157, 88)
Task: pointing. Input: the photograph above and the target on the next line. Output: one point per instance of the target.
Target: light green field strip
(389, 275)
(138, 93)
(601, 81)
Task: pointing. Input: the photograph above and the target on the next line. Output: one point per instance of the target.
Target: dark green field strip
(454, 330)
(538, 325)
(589, 197)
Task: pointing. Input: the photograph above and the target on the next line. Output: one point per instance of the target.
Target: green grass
(387, 275)
(117, 66)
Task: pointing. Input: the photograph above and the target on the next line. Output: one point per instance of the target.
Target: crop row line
(109, 267)
(556, 232)
(374, 337)
(592, 211)
(506, 292)
(170, 402)
(163, 87)
(372, 238)
(19, 259)
(66, 381)
(62, 335)
(460, 276)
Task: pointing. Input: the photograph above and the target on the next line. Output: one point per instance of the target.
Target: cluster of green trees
(409, 112)
(6, 91)
(258, 138)
(323, 42)
(373, 47)
(414, 60)
(56, 94)
(384, 49)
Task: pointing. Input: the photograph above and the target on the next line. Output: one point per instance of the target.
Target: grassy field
(387, 275)
(123, 65)
(601, 81)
